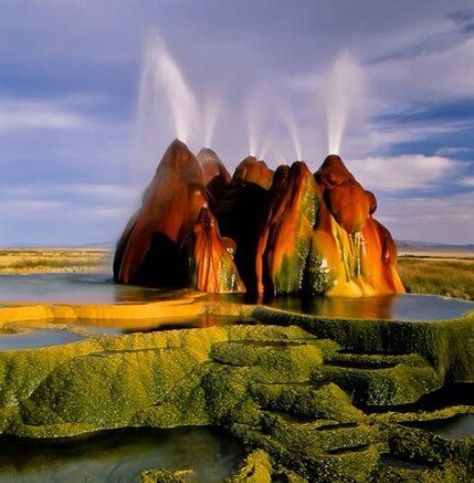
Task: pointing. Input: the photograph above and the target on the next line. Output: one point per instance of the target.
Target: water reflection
(120, 456)
(100, 289)
(400, 307)
(451, 428)
(35, 338)
(76, 288)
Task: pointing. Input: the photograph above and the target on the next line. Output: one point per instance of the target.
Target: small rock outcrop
(173, 241)
(285, 238)
(352, 254)
(216, 176)
(214, 267)
(149, 251)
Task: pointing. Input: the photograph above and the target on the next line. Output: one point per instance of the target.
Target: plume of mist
(253, 128)
(211, 112)
(163, 94)
(341, 95)
(290, 122)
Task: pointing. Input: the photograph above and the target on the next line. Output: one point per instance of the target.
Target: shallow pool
(120, 456)
(397, 307)
(450, 428)
(100, 289)
(74, 288)
(36, 338)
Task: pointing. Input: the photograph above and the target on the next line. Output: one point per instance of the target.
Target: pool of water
(120, 456)
(100, 289)
(35, 338)
(399, 307)
(451, 428)
(75, 288)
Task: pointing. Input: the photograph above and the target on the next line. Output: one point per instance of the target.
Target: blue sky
(71, 171)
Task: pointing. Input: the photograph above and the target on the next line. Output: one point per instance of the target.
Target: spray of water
(161, 76)
(212, 111)
(252, 118)
(290, 121)
(341, 95)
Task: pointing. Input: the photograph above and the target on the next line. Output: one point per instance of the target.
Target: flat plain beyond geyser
(236, 242)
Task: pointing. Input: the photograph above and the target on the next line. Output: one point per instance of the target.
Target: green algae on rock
(295, 391)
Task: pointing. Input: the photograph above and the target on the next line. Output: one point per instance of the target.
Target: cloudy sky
(394, 77)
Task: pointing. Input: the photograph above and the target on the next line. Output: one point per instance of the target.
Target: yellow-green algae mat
(291, 389)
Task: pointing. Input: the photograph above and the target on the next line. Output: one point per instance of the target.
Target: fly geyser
(259, 231)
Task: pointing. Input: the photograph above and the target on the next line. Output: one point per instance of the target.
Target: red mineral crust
(215, 271)
(173, 240)
(253, 171)
(285, 239)
(149, 249)
(357, 252)
(260, 232)
(241, 213)
(216, 176)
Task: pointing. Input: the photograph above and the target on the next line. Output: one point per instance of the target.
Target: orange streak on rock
(214, 267)
(286, 237)
(359, 252)
(254, 171)
(171, 205)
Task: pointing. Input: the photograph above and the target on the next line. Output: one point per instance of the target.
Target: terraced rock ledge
(311, 399)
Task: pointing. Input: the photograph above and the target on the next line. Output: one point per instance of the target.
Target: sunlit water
(120, 456)
(398, 307)
(100, 289)
(74, 288)
(35, 338)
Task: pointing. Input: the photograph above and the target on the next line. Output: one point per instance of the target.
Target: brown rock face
(285, 239)
(259, 231)
(352, 253)
(149, 249)
(216, 177)
(347, 201)
(174, 240)
(241, 214)
(253, 171)
(215, 271)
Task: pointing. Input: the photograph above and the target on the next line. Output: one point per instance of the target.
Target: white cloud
(17, 114)
(453, 150)
(444, 219)
(77, 193)
(407, 171)
(467, 181)
(441, 75)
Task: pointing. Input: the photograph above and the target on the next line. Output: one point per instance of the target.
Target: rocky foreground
(259, 231)
(311, 399)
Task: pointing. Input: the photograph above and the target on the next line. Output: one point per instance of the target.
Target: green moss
(317, 279)
(280, 389)
(307, 402)
(445, 344)
(280, 361)
(402, 384)
(257, 468)
(165, 476)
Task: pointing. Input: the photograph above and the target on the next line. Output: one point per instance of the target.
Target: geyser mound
(259, 231)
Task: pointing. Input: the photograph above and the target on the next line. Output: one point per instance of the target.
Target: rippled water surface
(120, 456)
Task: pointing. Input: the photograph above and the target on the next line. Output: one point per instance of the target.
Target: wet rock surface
(285, 232)
(310, 399)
